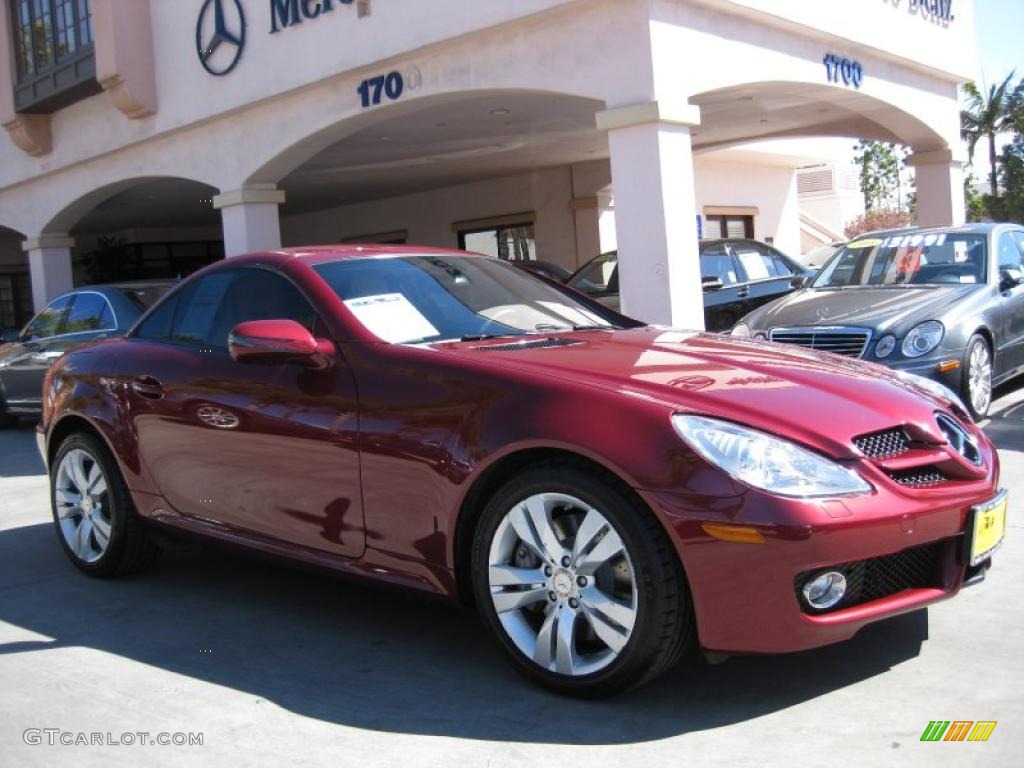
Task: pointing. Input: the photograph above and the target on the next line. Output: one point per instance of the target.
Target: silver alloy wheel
(562, 584)
(82, 499)
(979, 378)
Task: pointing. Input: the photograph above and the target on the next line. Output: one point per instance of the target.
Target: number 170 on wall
(374, 90)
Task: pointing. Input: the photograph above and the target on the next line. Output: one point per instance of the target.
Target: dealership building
(146, 138)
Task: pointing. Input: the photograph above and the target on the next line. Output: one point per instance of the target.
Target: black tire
(976, 345)
(664, 619)
(130, 548)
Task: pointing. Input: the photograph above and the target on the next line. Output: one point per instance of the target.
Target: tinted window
(415, 299)
(1010, 256)
(211, 307)
(715, 261)
(89, 312)
(48, 322)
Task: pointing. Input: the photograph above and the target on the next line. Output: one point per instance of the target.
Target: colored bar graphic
(935, 730)
(958, 730)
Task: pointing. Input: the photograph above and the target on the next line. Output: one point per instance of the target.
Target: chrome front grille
(851, 342)
(883, 445)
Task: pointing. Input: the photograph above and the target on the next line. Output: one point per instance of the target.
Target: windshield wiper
(566, 328)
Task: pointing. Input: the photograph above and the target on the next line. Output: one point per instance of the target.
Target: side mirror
(1010, 279)
(712, 283)
(278, 342)
(9, 336)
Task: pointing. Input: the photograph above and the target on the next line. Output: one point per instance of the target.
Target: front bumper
(41, 443)
(930, 368)
(744, 595)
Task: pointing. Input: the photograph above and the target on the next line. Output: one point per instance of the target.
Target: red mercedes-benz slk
(606, 493)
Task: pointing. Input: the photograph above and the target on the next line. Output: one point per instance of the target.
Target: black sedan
(76, 317)
(737, 276)
(945, 303)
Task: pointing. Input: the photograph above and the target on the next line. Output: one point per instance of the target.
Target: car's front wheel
(579, 583)
(93, 511)
(977, 386)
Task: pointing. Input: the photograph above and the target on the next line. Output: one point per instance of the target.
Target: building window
(15, 300)
(53, 48)
(730, 226)
(510, 238)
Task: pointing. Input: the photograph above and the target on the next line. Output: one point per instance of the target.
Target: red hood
(818, 399)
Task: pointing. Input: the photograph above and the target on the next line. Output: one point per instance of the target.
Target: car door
(23, 367)
(770, 275)
(265, 449)
(1010, 304)
(725, 301)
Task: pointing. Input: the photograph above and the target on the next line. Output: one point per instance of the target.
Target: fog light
(824, 590)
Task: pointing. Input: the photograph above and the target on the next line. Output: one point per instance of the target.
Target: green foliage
(879, 173)
(998, 112)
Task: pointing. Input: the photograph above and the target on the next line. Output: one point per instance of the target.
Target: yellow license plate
(989, 528)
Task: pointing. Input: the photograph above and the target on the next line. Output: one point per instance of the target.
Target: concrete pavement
(275, 666)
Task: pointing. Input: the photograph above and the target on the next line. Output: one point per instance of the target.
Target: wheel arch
(69, 424)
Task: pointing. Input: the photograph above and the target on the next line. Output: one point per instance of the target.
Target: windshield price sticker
(391, 317)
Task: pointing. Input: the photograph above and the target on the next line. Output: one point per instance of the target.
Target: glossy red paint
(368, 465)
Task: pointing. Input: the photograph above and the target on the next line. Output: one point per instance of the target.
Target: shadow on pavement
(359, 656)
(19, 456)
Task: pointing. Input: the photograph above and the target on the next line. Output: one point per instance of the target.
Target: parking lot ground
(275, 666)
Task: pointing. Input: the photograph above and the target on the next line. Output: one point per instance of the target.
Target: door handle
(743, 293)
(148, 387)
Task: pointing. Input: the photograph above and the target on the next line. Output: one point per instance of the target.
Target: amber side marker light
(949, 365)
(739, 534)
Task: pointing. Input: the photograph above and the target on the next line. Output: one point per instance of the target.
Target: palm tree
(986, 116)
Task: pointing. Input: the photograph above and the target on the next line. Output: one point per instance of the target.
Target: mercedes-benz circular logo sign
(220, 35)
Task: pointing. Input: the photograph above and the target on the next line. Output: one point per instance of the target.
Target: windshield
(935, 258)
(417, 299)
(599, 276)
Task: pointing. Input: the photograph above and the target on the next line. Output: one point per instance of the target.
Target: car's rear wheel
(977, 386)
(93, 511)
(579, 583)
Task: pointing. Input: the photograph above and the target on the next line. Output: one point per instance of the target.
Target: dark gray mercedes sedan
(946, 304)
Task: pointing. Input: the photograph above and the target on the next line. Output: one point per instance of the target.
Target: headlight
(885, 346)
(935, 388)
(923, 339)
(766, 462)
(742, 330)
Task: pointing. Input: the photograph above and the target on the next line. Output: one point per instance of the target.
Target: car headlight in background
(742, 330)
(762, 461)
(923, 338)
(885, 346)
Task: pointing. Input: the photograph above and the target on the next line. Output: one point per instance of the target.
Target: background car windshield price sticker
(989, 528)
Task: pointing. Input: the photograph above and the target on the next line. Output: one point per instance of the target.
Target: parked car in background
(607, 495)
(737, 276)
(944, 303)
(545, 269)
(82, 315)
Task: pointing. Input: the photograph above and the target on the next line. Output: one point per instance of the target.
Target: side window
(760, 263)
(1019, 237)
(198, 307)
(715, 261)
(89, 312)
(48, 322)
(1010, 256)
(258, 294)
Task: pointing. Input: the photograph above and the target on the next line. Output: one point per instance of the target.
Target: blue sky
(1000, 38)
